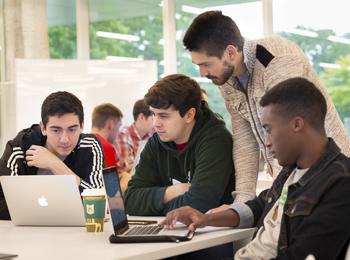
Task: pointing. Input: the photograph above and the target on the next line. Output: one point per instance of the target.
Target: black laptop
(124, 232)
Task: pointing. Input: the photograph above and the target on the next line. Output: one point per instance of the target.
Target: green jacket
(206, 163)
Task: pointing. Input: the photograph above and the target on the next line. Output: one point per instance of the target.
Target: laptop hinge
(121, 230)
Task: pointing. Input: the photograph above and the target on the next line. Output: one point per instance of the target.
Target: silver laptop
(43, 200)
(129, 231)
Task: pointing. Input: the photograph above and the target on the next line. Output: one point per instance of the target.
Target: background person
(106, 121)
(129, 138)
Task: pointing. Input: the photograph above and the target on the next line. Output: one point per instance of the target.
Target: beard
(225, 75)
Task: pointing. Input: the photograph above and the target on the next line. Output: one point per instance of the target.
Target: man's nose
(64, 137)
(155, 122)
(203, 72)
(268, 141)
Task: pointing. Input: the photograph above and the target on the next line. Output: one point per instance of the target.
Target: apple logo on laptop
(42, 200)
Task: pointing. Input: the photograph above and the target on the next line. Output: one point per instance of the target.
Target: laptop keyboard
(143, 230)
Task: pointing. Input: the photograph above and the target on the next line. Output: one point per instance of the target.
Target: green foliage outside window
(338, 83)
(62, 41)
(321, 50)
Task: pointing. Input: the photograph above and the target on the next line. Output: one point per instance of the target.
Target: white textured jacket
(269, 61)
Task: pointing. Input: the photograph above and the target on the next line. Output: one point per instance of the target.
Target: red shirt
(109, 152)
(180, 147)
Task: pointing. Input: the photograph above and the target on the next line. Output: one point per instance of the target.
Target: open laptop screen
(143, 231)
(115, 199)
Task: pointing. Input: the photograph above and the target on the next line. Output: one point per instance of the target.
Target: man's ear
(108, 124)
(140, 117)
(231, 51)
(190, 115)
(42, 128)
(298, 124)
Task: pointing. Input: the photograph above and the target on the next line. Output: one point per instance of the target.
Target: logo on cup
(90, 209)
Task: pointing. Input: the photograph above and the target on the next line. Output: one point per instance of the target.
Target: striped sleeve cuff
(246, 217)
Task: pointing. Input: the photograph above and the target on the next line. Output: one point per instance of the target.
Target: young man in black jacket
(188, 161)
(56, 146)
(307, 209)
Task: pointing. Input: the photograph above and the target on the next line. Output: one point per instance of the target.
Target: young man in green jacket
(188, 161)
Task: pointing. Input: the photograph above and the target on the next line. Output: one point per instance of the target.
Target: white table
(75, 243)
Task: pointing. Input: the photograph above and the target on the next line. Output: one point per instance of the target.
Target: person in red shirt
(106, 121)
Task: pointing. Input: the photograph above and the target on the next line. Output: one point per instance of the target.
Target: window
(62, 29)
(247, 15)
(129, 31)
(119, 30)
(324, 36)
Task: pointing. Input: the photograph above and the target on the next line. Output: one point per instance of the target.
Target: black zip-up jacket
(317, 211)
(86, 160)
(206, 163)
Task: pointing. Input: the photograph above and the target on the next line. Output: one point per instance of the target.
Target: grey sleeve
(246, 217)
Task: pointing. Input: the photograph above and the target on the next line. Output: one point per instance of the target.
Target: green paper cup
(94, 201)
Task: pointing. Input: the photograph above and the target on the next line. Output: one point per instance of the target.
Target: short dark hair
(211, 32)
(175, 90)
(298, 97)
(61, 103)
(102, 113)
(140, 107)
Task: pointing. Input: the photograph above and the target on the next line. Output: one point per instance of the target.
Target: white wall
(93, 81)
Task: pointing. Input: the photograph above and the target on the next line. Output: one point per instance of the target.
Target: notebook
(43, 200)
(125, 233)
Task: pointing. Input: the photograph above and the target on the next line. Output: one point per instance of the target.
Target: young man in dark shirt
(306, 211)
(188, 161)
(56, 146)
